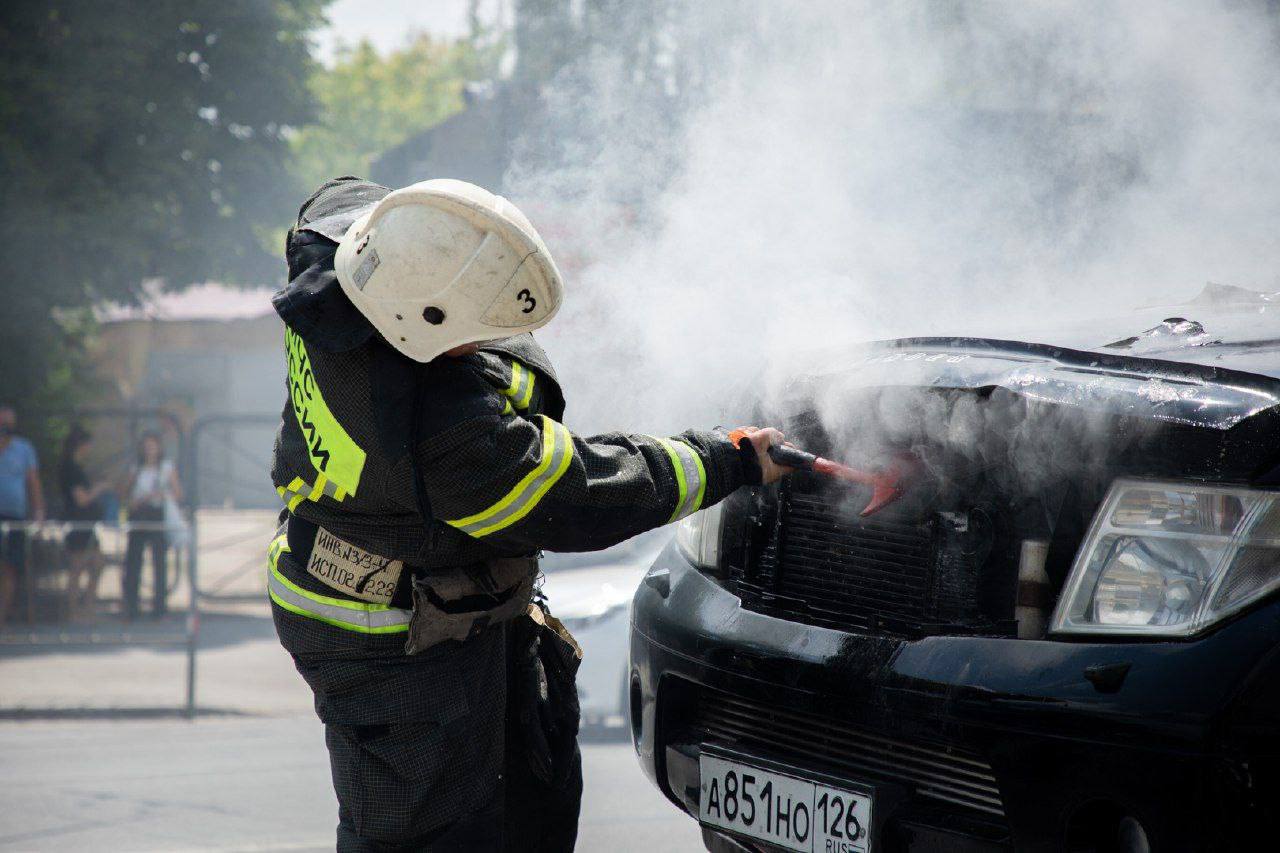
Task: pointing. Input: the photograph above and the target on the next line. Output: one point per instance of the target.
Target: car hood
(1198, 387)
(1212, 361)
(1246, 339)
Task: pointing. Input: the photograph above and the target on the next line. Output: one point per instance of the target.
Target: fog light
(635, 708)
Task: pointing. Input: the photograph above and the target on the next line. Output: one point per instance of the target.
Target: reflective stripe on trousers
(349, 615)
(332, 451)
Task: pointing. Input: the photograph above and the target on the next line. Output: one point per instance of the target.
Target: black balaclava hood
(312, 303)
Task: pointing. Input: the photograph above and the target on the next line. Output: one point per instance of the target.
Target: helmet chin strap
(464, 349)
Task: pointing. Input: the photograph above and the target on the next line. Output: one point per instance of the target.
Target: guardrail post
(193, 563)
(193, 619)
(193, 497)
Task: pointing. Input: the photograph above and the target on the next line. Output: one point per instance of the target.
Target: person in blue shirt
(21, 499)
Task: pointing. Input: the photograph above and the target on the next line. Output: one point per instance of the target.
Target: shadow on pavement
(216, 630)
(85, 714)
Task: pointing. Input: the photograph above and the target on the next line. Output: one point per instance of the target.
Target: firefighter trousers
(425, 753)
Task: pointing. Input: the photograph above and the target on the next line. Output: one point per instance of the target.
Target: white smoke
(863, 170)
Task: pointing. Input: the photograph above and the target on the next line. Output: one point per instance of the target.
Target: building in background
(475, 145)
(208, 352)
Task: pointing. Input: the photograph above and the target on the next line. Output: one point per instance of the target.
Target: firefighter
(423, 464)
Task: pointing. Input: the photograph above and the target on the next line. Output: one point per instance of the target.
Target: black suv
(1065, 635)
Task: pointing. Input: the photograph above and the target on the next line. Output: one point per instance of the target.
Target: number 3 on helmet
(443, 263)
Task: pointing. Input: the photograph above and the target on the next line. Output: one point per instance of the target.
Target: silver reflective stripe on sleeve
(691, 477)
(520, 391)
(348, 615)
(557, 453)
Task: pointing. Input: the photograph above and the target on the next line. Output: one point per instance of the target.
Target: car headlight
(1169, 559)
(698, 537)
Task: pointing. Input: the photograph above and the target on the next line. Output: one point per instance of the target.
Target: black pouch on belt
(544, 766)
(546, 660)
(460, 604)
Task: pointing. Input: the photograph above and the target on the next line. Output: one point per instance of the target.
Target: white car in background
(591, 594)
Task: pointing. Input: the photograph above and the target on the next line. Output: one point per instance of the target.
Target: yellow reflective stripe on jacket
(557, 453)
(691, 478)
(349, 615)
(300, 490)
(277, 546)
(520, 391)
(333, 453)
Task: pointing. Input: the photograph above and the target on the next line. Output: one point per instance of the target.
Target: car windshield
(635, 550)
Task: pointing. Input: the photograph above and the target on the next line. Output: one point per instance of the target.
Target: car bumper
(1074, 736)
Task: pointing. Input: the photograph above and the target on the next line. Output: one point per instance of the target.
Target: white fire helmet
(443, 263)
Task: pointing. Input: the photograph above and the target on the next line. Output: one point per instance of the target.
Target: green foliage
(370, 103)
(139, 140)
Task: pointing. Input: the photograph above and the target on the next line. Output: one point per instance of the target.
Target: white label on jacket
(351, 570)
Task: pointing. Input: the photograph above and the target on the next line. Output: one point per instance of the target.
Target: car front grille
(907, 575)
(949, 775)
(862, 575)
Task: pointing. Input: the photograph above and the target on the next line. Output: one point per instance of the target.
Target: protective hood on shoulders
(313, 304)
(531, 354)
(331, 209)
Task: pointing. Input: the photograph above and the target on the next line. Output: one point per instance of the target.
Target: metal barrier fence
(97, 583)
(54, 574)
(240, 437)
(91, 575)
(92, 583)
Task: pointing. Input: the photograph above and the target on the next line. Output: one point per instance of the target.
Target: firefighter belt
(461, 604)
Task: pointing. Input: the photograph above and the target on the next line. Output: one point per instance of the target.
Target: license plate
(785, 810)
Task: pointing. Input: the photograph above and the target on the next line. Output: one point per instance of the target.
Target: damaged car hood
(1214, 386)
(1211, 361)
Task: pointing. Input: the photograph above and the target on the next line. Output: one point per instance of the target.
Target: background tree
(369, 103)
(140, 140)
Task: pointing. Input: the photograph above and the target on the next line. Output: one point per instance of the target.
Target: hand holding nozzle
(764, 442)
(778, 458)
(887, 485)
(792, 457)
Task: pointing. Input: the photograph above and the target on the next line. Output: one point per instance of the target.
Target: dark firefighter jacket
(463, 459)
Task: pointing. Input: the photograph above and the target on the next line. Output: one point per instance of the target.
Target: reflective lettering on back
(331, 450)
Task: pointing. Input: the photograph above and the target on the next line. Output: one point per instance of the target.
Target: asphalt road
(244, 784)
(105, 766)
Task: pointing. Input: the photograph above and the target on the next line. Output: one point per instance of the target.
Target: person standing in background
(21, 499)
(82, 502)
(154, 483)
